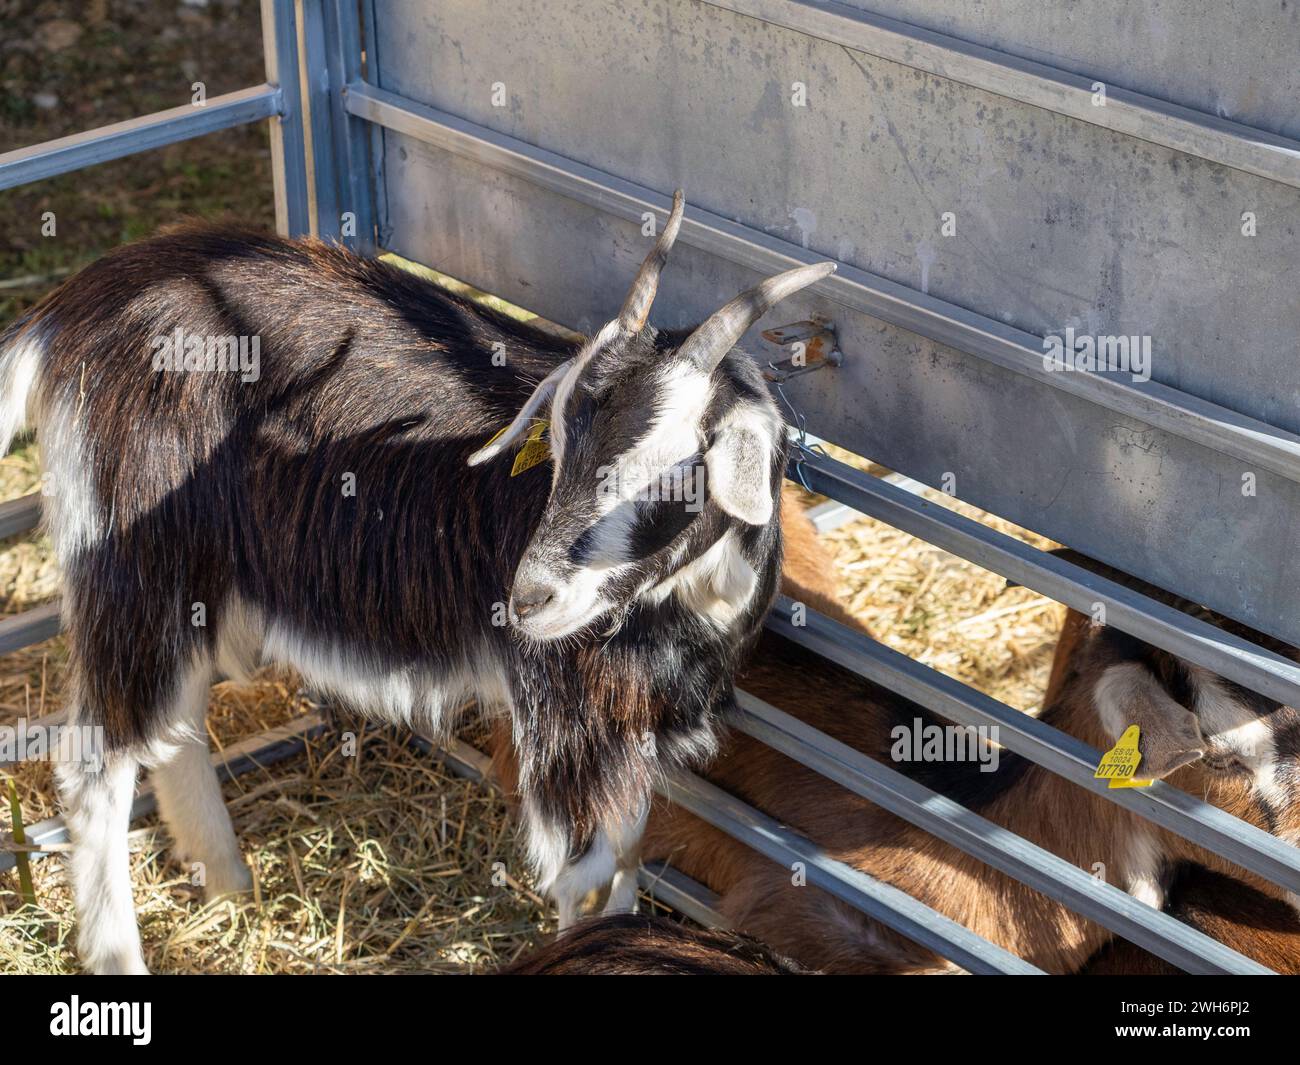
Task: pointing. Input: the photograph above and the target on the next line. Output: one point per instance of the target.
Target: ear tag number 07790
(1120, 763)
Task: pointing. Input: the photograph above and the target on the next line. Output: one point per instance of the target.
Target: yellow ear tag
(1120, 763)
(535, 450)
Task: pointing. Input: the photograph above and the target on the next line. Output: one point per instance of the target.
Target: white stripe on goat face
(682, 396)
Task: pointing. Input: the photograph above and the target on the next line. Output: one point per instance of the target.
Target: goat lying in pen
(630, 945)
(1254, 924)
(338, 512)
(1203, 734)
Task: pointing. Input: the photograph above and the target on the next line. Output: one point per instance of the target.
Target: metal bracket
(815, 348)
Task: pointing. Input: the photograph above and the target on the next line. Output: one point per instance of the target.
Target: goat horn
(636, 308)
(711, 341)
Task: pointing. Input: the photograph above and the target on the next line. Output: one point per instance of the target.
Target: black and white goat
(336, 509)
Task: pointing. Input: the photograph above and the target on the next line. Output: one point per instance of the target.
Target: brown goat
(1252, 923)
(630, 945)
(1208, 737)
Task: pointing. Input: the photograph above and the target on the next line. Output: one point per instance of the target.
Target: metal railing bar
(294, 190)
(31, 626)
(135, 135)
(461, 758)
(1194, 820)
(351, 134)
(673, 888)
(46, 721)
(320, 98)
(1208, 424)
(265, 748)
(884, 902)
(698, 903)
(1148, 619)
(990, 843)
(19, 515)
(1171, 125)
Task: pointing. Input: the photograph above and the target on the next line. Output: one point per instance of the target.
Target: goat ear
(541, 394)
(1130, 694)
(740, 470)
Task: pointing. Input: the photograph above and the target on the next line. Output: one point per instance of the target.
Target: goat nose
(531, 597)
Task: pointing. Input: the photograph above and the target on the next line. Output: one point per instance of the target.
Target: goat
(630, 945)
(1254, 924)
(334, 507)
(1203, 734)
(1244, 918)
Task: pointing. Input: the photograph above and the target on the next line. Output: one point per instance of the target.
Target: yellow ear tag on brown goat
(535, 450)
(1120, 763)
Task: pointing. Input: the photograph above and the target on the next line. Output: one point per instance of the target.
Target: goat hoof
(120, 965)
(236, 880)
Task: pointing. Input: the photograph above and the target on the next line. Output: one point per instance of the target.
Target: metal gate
(991, 195)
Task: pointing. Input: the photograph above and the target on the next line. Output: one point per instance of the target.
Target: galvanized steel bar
(372, 72)
(135, 135)
(293, 194)
(458, 756)
(45, 721)
(658, 879)
(673, 888)
(1165, 805)
(266, 748)
(351, 135)
(323, 152)
(40, 623)
(885, 903)
(29, 627)
(996, 846)
(1170, 629)
(19, 515)
(1157, 405)
(685, 895)
(1134, 114)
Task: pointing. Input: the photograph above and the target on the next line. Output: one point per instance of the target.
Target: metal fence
(983, 185)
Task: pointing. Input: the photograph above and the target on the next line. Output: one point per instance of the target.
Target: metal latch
(815, 347)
